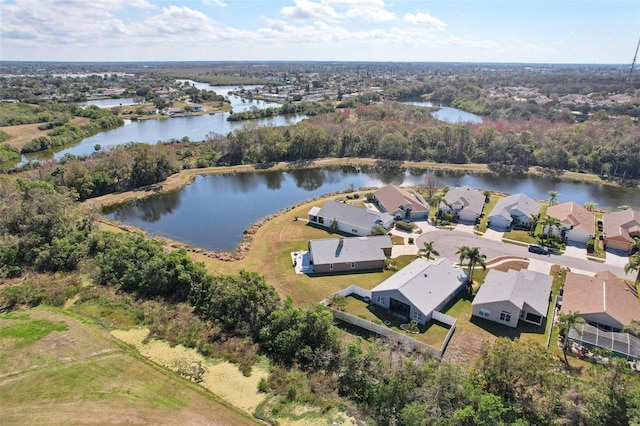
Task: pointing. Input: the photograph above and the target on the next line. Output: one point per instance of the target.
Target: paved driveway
(617, 258)
(447, 243)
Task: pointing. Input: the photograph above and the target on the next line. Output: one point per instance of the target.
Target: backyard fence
(451, 322)
(386, 331)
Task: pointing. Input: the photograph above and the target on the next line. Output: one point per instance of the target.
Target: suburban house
(577, 223)
(508, 297)
(349, 254)
(401, 204)
(349, 219)
(622, 345)
(419, 289)
(463, 202)
(604, 301)
(620, 228)
(515, 209)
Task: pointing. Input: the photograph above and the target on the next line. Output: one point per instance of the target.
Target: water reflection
(214, 211)
(274, 180)
(309, 179)
(149, 210)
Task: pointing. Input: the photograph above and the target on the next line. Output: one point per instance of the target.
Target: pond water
(109, 103)
(196, 128)
(448, 113)
(214, 210)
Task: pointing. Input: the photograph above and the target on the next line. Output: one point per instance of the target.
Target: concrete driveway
(617, 258)
(575, 250)
(447, 243)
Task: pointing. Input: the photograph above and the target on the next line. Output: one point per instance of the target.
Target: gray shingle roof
(518, 287)
(353, 249)
(426, 284)
(521, 202)
(352, 215)
(467, 197)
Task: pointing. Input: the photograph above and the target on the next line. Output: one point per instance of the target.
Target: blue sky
(558, 31)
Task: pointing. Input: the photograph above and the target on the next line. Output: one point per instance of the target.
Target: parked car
(534, 248)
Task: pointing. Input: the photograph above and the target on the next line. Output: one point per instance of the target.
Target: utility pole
(633, 64)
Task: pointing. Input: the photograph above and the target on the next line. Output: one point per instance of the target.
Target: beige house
(604, 301)
(401, 204)
(508, 297)
(620, 229)
(577, 223)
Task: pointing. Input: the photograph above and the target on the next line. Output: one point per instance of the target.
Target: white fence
(386, 331)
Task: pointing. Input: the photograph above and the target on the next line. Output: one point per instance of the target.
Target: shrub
(263, 385)
(405, 226)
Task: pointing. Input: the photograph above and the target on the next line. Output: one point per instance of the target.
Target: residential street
(448, 241)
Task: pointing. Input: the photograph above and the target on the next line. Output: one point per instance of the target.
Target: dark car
(534, 248)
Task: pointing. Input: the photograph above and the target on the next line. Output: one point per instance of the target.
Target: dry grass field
(23, 133)
(56, 368)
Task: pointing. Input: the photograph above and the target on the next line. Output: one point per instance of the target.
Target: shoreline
(185, 177)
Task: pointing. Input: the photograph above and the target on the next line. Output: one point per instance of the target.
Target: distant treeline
(307, 108)
(392, 131)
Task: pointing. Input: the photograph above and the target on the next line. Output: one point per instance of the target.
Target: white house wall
(578, 235)
(495, 309)
(500, 222)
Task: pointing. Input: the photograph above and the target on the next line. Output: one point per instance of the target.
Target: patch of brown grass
(23, 133)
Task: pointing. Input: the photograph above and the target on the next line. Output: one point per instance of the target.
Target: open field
(56, 368)
(23, 133)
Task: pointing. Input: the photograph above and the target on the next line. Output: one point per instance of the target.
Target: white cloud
(308, 10)
(424, 18)
(218, 3)
(372, 14)
(140, 4)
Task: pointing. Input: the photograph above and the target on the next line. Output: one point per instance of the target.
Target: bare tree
(431, 184)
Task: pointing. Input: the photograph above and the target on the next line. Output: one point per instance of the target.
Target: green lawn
(493, 200)
(432, 334)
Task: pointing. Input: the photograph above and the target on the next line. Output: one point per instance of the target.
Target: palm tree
(487, 195)
(548, 222)
(590, 205)
(634, 265)
(568, 321)
(535, 218)
(474, 256)
(429, 249)
(553, 197)
(436, 199)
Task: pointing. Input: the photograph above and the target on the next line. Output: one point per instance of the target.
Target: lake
(214, 210)
(448, 113)
(196, 128)
(109, 103)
